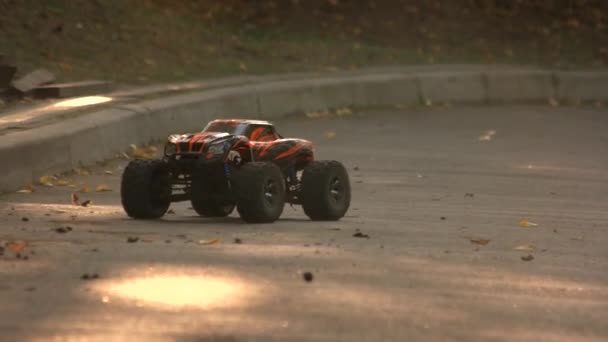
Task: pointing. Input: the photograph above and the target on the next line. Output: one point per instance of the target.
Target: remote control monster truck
(236, 163)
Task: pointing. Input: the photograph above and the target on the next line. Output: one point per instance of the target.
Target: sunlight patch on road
(56, 208)
(58, 107)
(83, 101)
(167, 290)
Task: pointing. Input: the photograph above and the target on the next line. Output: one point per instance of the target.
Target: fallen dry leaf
(85, 189)
(108, 172)
(361, 235)
(145, 152)
(87, 276)
(528, 257)
(27, 190)
(573, 23)
(75, 199)
(318, 114)
(344, 112)
(47, 180)
(209, 242)
(312, 115)
(553, 102)
(85, 203)
(487, 135)
(525, 248)
(102, 188)
(330, 134)
(480, 241)
(17, 246)
(62, 182)
(308, 276)
(83, 172)
(524, 222)
(62, 230)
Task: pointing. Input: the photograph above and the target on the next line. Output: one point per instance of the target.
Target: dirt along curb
(97, 136)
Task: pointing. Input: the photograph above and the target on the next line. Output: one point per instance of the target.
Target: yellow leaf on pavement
(312, 115)
(83, 172)
(344, 112)
(330, 134)
(148, 152)
(62, 182)
(525, 248)
(27, 190)
(102, 188)
(524, 222)
(85, 189)
(47, 180)
(209, 242)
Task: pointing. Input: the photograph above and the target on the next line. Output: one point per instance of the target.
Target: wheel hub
(269, 191)
(335, 189)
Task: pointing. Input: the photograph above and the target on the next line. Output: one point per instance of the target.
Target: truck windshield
(222, 127)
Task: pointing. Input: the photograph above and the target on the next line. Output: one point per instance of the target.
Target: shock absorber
(293, 175)
(227, 170)
(293, 179)
(227, 174)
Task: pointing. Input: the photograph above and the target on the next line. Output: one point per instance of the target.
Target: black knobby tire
(325, 194)
(259, 189)
(206, 206)
(145, 189)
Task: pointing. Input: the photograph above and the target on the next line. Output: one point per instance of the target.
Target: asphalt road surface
(439, 191)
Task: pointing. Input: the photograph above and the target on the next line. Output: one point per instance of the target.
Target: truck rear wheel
(325, 193)
(145, 189)
(259, 189)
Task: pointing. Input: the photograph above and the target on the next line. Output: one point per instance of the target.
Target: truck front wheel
(259, 189)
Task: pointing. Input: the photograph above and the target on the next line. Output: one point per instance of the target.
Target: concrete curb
(101, 135)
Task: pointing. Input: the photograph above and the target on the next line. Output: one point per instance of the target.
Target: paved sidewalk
(45, 112)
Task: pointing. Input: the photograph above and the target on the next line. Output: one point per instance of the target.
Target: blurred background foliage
(158, 40)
